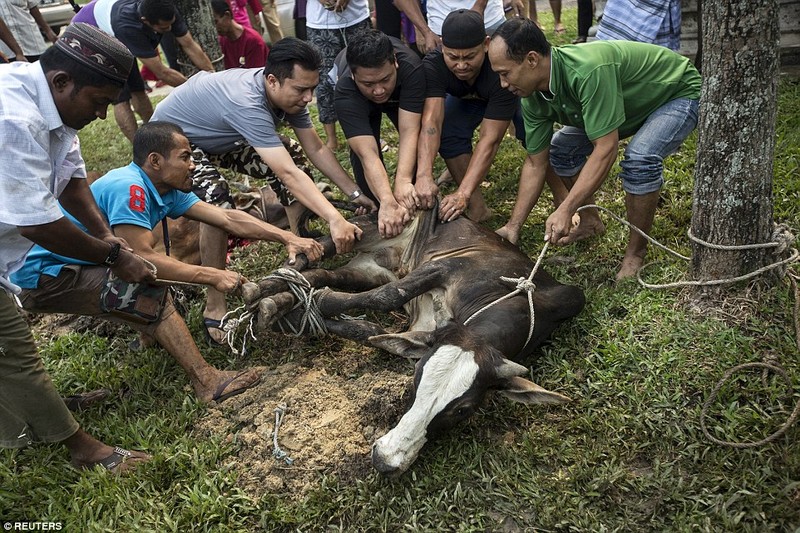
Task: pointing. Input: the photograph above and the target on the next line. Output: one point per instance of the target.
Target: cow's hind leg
(389, 296)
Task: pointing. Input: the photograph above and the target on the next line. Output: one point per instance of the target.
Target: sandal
(212, 323)
(114, 462)
(220, 395)
(79, 402)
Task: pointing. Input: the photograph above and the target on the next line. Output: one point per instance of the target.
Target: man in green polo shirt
(601, 92)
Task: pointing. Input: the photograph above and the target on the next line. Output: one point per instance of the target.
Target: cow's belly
(428, 311)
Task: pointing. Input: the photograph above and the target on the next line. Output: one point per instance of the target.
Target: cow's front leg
(389, 296)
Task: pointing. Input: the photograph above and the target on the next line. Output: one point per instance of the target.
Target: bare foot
(225, 384)
(584, 230)
(444, 178)
(508, 234)
(480, 216)
(332, 145)
(559, 29)
(630, 266)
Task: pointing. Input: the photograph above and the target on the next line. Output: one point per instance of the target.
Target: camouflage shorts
(212, 187)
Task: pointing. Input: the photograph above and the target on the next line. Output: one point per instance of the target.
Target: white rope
(229, 323)
(782, 240)
(522, 285)
(312, 321)
(277, 453)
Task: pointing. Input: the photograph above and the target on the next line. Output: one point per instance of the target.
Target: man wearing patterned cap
(462, 93)
(42, 105)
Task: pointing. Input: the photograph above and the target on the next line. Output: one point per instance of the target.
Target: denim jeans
(461, 118)
(643, 162)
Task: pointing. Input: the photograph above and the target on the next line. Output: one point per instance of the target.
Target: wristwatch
(355, 194)
(112, 255)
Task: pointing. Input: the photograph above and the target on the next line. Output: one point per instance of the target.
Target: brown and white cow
(442, 274)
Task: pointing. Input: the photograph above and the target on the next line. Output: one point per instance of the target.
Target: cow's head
(454, 372)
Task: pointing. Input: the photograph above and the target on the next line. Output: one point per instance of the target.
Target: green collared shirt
(605, 86)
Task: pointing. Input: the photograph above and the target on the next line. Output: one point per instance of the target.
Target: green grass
(626, 454)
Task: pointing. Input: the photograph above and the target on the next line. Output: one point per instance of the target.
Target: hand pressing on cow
(365, 205)
(392, 218)
(453, 206)
(406, 195)
(427, 191)
(344, 235)
(298, 245)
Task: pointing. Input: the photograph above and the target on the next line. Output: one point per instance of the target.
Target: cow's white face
(452, 378)
(446, 376)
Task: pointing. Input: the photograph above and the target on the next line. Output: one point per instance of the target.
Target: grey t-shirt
(218, 110)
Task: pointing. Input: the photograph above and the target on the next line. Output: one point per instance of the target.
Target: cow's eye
(460, 411)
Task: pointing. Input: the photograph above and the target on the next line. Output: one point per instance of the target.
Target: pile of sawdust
(328, 426)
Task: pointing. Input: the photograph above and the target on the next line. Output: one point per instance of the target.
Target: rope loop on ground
(277, 452)
(767, 367)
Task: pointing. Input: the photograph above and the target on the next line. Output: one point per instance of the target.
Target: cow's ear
(523, 391)
(412, 344)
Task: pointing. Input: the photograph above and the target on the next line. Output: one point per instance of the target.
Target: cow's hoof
(251, 293)
(267, 311)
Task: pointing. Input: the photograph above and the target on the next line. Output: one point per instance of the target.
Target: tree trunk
(735, 150)
(200, 20)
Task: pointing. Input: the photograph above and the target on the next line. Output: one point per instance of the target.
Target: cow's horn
(509, 369)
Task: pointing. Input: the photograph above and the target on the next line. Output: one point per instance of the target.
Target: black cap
(463, 28)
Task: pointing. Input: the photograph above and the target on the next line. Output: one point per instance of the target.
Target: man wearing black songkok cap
(42, 105)
(462, 93)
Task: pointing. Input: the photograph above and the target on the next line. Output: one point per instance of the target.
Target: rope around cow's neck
(782, 240)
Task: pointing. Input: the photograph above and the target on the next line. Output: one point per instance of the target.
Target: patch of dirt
(52, 325)
(329, 423)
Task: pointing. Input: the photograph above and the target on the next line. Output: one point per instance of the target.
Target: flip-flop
(79, 402)
(212, 323)
(560, 31)
(219, 397)
(118, 457)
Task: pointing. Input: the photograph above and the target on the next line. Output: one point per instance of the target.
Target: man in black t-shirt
(379, 75)
(462, 92)
(140, 25)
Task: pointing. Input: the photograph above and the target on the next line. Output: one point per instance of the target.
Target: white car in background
(57, 13)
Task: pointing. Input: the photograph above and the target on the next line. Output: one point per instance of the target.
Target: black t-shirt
(353, 109)
(501, 104)
(140, 39)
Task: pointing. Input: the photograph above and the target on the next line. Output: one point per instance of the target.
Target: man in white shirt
(42, 105)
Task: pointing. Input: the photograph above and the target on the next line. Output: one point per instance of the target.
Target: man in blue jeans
(601, 92)
(462, 93)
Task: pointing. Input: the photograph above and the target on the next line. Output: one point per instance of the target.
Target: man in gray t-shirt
(230, 118)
